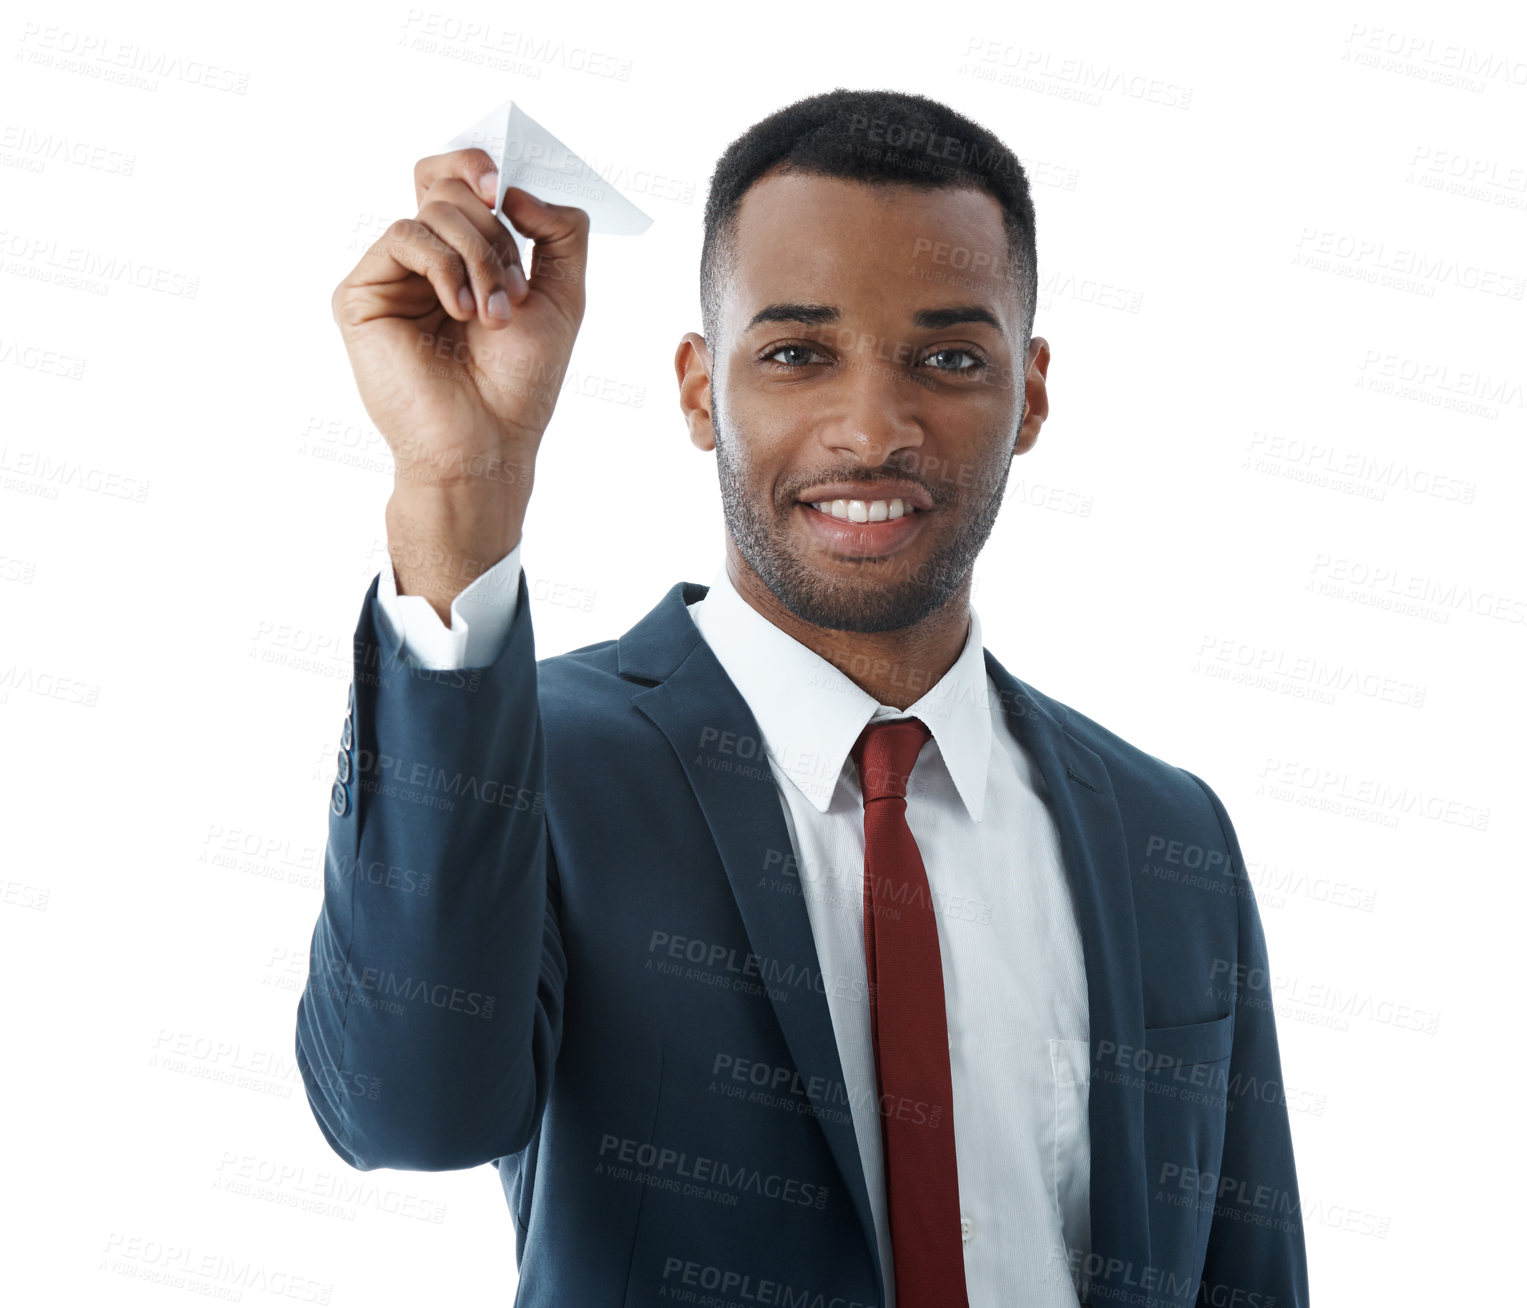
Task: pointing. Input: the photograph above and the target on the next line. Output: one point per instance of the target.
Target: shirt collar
(811, 713)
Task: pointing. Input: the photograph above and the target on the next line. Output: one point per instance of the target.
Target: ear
(692, 364)
(1036, 399)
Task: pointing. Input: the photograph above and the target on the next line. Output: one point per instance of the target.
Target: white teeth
(864, 510)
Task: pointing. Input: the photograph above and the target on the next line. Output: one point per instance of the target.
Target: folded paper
(531, 158)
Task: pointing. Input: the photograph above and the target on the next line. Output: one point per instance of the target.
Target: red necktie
(909, 1028)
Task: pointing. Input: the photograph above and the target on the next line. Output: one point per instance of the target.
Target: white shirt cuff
(480, 617)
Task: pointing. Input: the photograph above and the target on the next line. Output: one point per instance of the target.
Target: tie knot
(884, 755)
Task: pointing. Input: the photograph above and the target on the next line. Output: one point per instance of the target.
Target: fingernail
(465, 300)
(498, 305)
(488, 184)
(516, 280)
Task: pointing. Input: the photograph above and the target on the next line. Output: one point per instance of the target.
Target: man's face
(833, 381)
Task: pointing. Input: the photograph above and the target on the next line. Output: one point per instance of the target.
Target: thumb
(561, 236)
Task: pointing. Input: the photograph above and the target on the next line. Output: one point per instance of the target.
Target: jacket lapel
(1082, 802)
(693, 702)
(697, 707)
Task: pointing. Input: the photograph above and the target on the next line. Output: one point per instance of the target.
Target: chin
(839, 598)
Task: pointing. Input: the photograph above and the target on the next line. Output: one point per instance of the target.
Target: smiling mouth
(839, 530)
(864, 510)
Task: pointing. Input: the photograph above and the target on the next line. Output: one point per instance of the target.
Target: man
(787, 949)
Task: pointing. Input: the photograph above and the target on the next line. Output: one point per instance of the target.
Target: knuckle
(450, 189)
(483, 252)
(427, 235)
(341, 306)
(400, 229)
(492, 252)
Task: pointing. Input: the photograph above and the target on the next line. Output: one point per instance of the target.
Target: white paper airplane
(531, 158)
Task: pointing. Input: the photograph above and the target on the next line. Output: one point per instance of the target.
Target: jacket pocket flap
(1197, 1042)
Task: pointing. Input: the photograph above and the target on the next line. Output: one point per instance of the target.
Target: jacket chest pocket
(1185, 1083)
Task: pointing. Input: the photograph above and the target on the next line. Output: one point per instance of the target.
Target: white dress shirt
(1015, 986)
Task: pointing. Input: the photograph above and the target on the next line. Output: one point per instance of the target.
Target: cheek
(763, 465)
(987, 470)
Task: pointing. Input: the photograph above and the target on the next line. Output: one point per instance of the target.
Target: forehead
(800, 236)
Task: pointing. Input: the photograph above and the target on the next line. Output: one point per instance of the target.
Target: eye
(975, 366)
(804, 355)
(795, 348)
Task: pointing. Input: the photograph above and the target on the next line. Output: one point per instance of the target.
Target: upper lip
(912, 493)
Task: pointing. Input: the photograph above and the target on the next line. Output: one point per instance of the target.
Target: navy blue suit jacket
(559, 935)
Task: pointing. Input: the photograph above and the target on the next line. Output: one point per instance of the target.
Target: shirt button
(347, 733)
(344, 765)
(339, 801)
(965, 1230)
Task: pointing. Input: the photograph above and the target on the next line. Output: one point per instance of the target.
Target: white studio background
(1272, 532)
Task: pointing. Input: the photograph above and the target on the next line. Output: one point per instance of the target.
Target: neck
(895, 667)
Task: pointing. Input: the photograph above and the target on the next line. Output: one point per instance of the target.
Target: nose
(870, 419)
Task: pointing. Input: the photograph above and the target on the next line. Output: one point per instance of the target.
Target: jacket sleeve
(480, 617)
(432, 1015)
(1256, 1252)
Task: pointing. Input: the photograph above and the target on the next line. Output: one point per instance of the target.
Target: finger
(495, 232)
(452, 190)
(379, 285)
(474, 167)
(561, 236)
(485, 265)
(473, 173)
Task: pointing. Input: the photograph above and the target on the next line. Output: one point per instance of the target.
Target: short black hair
(869, 136)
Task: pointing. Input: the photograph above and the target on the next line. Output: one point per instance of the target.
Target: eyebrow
(816, 314)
